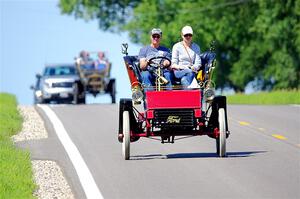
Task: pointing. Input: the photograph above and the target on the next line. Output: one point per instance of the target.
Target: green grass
(16, 179)
(266, 98)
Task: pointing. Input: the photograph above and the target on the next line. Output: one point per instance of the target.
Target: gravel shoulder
(47, 173)
(33, 126)
(50, 180)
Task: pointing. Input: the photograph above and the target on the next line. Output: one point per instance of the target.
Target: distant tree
(112, 14)
(271, 51)
(256, 39)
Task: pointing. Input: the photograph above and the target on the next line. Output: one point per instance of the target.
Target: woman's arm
(197, 62)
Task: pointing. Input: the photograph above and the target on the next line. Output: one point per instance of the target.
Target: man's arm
(142, 57)
(143, 63)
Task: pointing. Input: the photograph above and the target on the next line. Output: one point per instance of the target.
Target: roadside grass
(266, 98)
(16, 178)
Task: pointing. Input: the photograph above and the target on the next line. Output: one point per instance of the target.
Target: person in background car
(153, 50)
(186, 57)
(101, 64)
(86, 61)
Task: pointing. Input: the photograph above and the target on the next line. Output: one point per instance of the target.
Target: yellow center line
(244, 123)
(279, 137)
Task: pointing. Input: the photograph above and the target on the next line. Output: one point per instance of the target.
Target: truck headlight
(38, 93)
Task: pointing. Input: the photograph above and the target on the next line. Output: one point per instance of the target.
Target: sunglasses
(188, 35)
(155, 36)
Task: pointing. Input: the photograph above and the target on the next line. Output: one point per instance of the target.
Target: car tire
(45, 101)
(81, 100)
(112, 91)
(126, 137)
(221, 140)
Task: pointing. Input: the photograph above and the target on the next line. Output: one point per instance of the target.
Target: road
(263, 156)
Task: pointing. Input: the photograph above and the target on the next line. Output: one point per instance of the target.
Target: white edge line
(86, 179)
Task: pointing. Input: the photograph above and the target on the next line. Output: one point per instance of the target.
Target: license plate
(63, 95)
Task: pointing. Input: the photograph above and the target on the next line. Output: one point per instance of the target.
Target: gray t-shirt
(148, 52)
(186, 57)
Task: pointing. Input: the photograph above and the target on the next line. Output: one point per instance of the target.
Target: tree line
(257, 40)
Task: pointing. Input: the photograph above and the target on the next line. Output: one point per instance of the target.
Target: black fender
(217, 103)
(126, 105)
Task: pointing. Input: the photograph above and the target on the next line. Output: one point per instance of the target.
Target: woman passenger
(186, 57)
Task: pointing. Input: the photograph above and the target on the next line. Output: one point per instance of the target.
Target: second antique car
(171, 114)
(93, 81)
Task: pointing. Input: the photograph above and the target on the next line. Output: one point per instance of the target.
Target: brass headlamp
(137, 94)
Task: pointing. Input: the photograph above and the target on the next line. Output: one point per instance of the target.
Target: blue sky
(33, 33)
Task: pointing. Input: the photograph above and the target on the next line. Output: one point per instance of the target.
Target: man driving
(154, 50)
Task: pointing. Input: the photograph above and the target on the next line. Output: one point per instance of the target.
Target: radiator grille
(174, 118)
(62, 85)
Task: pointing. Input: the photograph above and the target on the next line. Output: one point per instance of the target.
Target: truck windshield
(59, 70)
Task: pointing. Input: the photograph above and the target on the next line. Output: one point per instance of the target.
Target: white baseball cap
(187, 30)
(156, 31)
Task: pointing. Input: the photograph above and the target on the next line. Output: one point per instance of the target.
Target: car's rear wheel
(113, 92)
(45, 101)
(221, 140)
(126, 136)
(81, 100)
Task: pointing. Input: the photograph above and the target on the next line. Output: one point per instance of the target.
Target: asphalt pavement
(263, 156)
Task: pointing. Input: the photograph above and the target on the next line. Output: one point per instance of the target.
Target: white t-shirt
(182, 58)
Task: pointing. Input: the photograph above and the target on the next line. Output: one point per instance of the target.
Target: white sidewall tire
(222, 130)
(126, 136)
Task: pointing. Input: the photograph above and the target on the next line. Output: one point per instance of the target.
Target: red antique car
(167, 114)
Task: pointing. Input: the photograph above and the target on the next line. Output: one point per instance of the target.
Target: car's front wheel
(126, 137)
(221, 140)
(113, 93)
(45, 101)
(81, 100)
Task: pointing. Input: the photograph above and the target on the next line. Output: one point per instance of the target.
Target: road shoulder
(51, 168)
